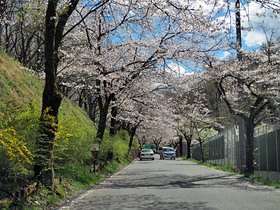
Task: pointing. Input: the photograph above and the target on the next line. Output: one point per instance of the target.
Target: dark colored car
(168, 152)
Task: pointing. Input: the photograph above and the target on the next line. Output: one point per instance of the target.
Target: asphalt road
(175, 184)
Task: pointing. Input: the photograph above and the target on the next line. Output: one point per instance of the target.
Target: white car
(147, 154)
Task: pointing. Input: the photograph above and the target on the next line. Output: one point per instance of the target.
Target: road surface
(175, 184)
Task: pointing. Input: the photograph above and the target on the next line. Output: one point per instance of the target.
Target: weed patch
(73, 179)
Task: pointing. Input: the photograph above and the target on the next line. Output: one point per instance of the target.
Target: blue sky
(258, 22)
(270, 22)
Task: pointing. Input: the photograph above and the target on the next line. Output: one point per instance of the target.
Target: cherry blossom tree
(257, 79)
(154, 110)
(186, 129)
(133, 106)
(43, 168)
(240, 9)
(56, 18)
(125, 33)
(142, 141)
(195, 118)
(147, 104)
(157, 142)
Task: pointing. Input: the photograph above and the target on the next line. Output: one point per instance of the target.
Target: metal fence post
(266, 145)
(277, 152)
(228, 155)
(259, 153)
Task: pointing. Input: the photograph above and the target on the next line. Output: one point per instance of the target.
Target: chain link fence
(267, 151)
(223, 149)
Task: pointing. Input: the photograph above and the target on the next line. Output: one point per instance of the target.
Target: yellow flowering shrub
(18, 133)
(12, 143)
(14, 146)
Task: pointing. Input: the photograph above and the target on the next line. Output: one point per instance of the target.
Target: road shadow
(162, 179)
(134, 201)
(154, 179)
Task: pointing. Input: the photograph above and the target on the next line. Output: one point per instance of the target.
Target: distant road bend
(174, 184)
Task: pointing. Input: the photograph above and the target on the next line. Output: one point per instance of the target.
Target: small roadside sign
(94, 147)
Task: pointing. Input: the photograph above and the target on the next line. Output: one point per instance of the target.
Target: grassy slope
(17, 83)
(21, 85)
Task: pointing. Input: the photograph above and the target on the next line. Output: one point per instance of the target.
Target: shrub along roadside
(71, 180)
(77, 178)
(230, 169)
(73, 159)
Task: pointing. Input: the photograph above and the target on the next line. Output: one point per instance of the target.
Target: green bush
(116, 145)
(18, 132)
(79, 174)
(120, 145)
(72, 142)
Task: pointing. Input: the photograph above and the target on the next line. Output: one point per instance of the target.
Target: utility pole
(238, 30)
(241, 122)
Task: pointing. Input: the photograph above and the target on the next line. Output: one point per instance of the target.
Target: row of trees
(120, 60)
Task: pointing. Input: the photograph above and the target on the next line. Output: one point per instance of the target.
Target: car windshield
(168, 150)
(147, 150)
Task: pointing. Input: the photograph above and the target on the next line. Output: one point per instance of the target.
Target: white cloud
(254, 38)
(225, 55)
(260, 20)
(177, 70)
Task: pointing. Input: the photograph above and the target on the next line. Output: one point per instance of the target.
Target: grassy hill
(20, 103)
(20, 108)
(21, 85)
(17, 83)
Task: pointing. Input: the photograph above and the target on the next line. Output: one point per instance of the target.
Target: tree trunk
(131, 134)
(81, 98)
(92, 108)
(1, 32)
(103, 109)
(189, 141)
(114, 112)
(7, 39)
(43, 169)
(102, 123)
(104, 101)
(44, 164)
(201, 151)
(189, 148)
(249, 146)
(238, 30)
